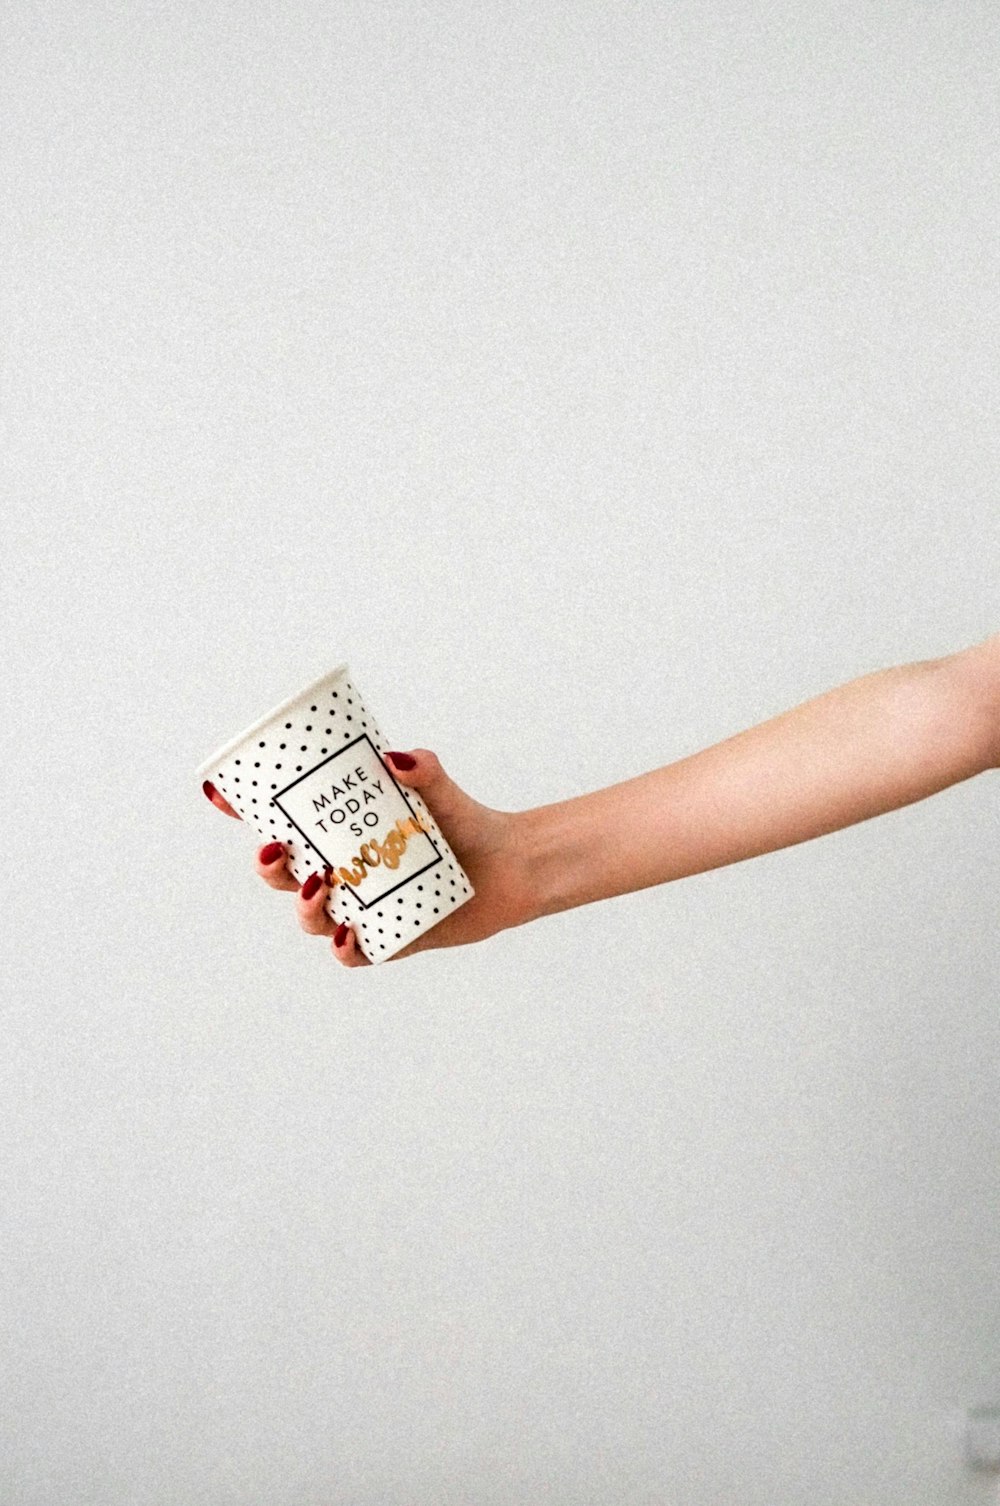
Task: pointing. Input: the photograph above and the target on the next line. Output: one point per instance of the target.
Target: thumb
(448, 801)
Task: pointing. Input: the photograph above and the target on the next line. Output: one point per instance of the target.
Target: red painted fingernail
(402, 761)
(271, 853)
(311, 884)
(209, 789)
(341, 935)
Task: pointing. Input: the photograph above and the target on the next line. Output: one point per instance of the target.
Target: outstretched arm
(873, 745)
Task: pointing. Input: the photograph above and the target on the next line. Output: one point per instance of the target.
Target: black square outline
(363, 738)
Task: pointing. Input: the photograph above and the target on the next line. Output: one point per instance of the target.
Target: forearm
(873, 745)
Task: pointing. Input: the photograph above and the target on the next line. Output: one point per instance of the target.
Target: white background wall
(597, 381)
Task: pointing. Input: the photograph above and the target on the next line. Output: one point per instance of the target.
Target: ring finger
(311, 905)
(316, 920)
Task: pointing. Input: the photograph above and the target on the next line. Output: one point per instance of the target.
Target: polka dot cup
(310, 774)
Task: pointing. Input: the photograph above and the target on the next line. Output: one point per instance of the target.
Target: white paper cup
(309, 775)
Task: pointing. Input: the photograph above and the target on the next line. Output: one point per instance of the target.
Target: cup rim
(227, 748)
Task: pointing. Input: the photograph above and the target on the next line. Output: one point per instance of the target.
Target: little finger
(348, 953)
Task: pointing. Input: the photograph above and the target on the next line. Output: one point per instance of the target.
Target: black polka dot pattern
(328, 715)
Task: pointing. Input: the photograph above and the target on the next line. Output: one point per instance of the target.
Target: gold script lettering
(388, 852)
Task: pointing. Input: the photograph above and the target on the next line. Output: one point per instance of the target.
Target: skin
(486, 843)
(880, 742)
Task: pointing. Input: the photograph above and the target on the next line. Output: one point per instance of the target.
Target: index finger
(219, 801)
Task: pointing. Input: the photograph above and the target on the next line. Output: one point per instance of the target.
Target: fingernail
(209, 789)
(402, 761)
(271, 853)
(341, 935)
(311, 884)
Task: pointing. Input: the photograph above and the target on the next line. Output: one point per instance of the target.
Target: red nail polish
(402, 761)
(271, 853)
(209, 789)
(311, 884)
(341, 935)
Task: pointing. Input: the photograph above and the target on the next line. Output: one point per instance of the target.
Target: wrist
(539, 862)
(568, 856)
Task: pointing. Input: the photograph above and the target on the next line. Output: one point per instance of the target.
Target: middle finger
(270, 864)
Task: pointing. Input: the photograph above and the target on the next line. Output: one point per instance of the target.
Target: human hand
(486, 842)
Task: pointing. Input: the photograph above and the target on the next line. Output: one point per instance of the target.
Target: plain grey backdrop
(597, 381)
